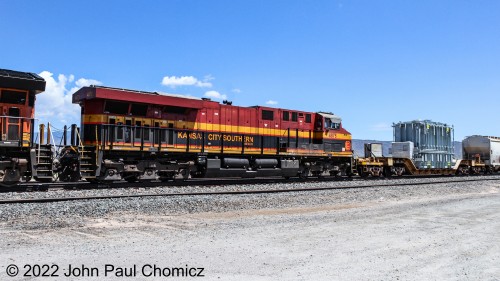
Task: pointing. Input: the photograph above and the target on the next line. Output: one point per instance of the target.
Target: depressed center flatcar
(136, 135)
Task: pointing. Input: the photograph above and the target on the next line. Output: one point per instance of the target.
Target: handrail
(51, 135)
(38, 142)
(80, 141)
(157, 130)
(17, 117)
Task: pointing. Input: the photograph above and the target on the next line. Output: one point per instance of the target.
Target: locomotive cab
(17, 102)
(15, 123)
(327, 121)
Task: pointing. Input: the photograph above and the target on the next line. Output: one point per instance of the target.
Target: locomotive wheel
(317, 174)
(304, 174)
(165, 177)
(69, 177)
(9, 183)
(131, 179)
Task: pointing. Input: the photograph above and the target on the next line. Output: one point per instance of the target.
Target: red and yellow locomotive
(17, 107)
(135, 135)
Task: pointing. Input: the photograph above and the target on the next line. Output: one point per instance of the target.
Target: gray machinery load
(373, 150)
(433, 143)
(403, 149)
(484, 147)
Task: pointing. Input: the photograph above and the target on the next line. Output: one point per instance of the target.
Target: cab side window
(12, 97)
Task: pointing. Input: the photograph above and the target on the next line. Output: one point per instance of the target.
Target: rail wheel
(165, 177)
(304, 174)
(317, 174)
(131, 178)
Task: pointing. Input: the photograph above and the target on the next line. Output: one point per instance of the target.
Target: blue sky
(371, 62)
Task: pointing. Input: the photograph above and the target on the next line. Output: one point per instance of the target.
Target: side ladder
(44, 160)
(88, 162)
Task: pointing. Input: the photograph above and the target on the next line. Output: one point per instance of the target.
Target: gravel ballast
(74, 213)
(60, 193)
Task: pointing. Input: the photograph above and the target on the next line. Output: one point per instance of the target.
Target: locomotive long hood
(100, 92)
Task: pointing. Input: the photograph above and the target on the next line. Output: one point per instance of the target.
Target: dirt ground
(452, 237)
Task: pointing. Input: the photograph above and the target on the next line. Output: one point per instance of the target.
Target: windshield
(329, 124)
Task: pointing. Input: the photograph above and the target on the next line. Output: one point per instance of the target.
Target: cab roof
(13, 79)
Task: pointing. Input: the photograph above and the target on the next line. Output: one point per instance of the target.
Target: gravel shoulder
(429, 232)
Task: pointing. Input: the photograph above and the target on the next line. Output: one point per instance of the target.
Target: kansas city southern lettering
(216, 137)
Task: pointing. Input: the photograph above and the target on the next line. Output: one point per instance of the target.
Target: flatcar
(141, 136)
(18, 91)
(481, 155)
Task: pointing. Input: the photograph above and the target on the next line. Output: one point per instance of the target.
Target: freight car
(423, 147)
(420, 147)
(18, 91)
(137, 135)
(481, 154)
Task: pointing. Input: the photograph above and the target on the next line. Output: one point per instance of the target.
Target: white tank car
(488, 148)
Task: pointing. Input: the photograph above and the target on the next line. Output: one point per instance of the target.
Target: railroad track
(82, 185)
(239, 192)
(37, 186)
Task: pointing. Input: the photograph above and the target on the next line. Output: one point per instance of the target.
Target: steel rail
(218, 193)
(82, 185)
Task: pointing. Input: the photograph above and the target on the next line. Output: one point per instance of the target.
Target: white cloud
(215, 95)
(174, 81)
(55, 104)
(208, 77)
(203, 84)
(236, 91)
(381, 127)
(82, 82)
(271, 102)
